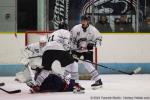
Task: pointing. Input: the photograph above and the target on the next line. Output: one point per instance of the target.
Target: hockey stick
(11, 92)
(34, 57)
(2, 84)
(135, 71)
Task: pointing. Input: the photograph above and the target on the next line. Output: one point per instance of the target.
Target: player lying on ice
(48, 81)
(56, 49)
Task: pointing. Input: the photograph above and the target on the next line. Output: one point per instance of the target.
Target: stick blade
(2, 84)
(11, 92)
(15, 91)
(137, 70)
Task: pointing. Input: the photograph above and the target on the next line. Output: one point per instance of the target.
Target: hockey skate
(78, 89)
(97, 84)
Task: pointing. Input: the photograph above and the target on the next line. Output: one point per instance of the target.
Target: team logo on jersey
(78, 33)
(36, 50)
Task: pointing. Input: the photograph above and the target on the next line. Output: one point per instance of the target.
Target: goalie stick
(135, 71)
(11, 92)
(34, 57)
(2, 84)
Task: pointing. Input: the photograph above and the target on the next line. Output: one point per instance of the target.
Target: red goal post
(34, 36)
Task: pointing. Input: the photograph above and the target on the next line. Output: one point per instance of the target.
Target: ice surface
(116, 87)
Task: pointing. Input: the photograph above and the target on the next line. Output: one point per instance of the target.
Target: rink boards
(121, 51)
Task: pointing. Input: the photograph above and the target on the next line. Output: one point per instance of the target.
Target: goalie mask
(43, 41)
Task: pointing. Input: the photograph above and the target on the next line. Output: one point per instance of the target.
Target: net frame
(34, 36)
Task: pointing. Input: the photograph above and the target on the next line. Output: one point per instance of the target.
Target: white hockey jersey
(58, 40)
(92, 35)
(35, 49)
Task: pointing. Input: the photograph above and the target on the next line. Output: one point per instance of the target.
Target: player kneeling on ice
(31, 50)
(56, 49)
(83, 38)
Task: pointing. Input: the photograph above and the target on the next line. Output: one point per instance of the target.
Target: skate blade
(96, 87)
(79, 92)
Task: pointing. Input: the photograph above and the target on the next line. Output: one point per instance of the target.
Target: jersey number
(51, 38)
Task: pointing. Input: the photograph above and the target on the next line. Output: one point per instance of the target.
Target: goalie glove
(25, 61)
(90, 46)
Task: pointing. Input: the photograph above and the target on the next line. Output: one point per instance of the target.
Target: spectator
(122, 25)
(102, 25)
(145, 27)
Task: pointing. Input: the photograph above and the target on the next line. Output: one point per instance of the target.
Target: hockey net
(34, 36)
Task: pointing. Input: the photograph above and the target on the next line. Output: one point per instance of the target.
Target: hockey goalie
(31, 59)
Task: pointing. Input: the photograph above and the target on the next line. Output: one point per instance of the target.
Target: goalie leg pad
(23, 76)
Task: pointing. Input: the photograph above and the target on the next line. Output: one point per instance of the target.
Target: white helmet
(43, 39)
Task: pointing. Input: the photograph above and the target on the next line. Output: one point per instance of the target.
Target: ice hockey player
(83, 38)
(36, 51)
(48, 81)
(56, 49)
(31, 50)
(36, 48)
